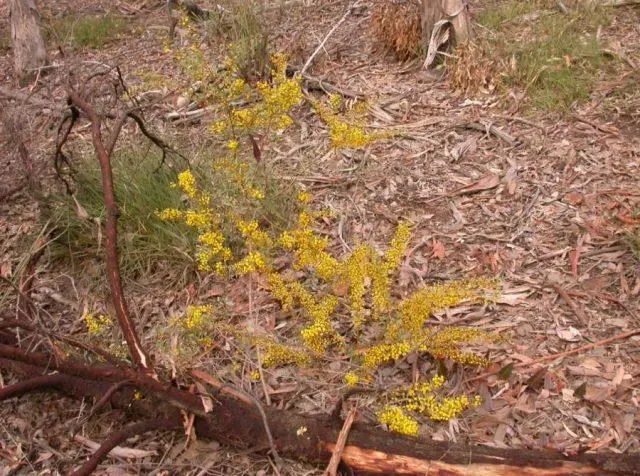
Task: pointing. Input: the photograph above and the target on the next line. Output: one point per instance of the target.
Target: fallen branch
(36, 383)
(570, 302)
(136, 351)
(491, 129)
(332, 468)
(559, 355)
(311, 438)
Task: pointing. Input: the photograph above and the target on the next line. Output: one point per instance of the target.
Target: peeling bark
(454, 10)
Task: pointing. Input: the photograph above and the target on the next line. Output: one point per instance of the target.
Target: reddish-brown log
(312, 438)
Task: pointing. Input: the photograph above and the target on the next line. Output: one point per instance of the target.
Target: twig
(338, 449)
(491, 129)
(322, 43)
(312, 83)
(595, 125)
(132, 430)
(560, 355)
(571, 303)
(521, 120)
(104, 399)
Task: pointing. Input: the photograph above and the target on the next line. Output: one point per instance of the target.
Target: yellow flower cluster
(278, 355)
(396, 420)
(343, 134)
(251, 231)
(351, 379)
(254, 261)
(187, 183)
(419, 398)
(320, 334)
(382, 353)
(96, 325)
(195, 317)
(280, 291)
(310, 248)
(357, 267)
(275, 101)
(443, 344)
(381, 271)
(304, 197)
(416, 310)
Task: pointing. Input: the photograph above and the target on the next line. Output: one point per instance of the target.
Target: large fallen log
(311, 438)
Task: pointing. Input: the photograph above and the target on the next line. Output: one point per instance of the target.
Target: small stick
(332, 468)
(571, 303)
(559, 355)
(331, 32)
(118, 437)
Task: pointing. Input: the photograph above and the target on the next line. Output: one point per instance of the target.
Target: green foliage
(633, 241)
(87, 31)
(555, 57)
(144, 240)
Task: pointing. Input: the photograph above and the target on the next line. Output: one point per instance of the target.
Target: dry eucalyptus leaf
(485, 183)
(570, 335)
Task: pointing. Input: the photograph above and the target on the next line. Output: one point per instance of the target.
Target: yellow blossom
(187, 183)
(233, 145)
(254, 261)
(396, 420)
(351, 379)
(96, 325)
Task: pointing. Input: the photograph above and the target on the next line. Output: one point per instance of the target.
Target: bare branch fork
(136, 351)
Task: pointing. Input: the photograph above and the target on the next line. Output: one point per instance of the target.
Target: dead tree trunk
(28, 46)
(311, 438)
(455, 11)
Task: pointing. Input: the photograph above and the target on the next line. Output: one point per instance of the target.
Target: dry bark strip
(310, 438)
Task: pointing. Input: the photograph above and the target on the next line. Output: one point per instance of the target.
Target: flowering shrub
(334, 300)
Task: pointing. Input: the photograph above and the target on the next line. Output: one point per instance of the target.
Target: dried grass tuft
(473, 69)
(396, 27)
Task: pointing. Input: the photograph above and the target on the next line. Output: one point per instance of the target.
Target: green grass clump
(147, 244)
(241, 25)
(87, 31)
(555, 57)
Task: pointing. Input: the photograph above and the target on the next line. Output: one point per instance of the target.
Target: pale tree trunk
(456, 11)
(28, 46)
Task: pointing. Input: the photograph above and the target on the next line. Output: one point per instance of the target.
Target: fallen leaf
(468, 146)
(485, 183)
(580, 391)
(439, 251)
(118, 451)
(598, 394)
(574, 198)
(570, 335)
(5, 269)
(80, 211)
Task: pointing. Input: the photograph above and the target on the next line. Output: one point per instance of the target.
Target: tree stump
(456, 11)
(29, 51)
